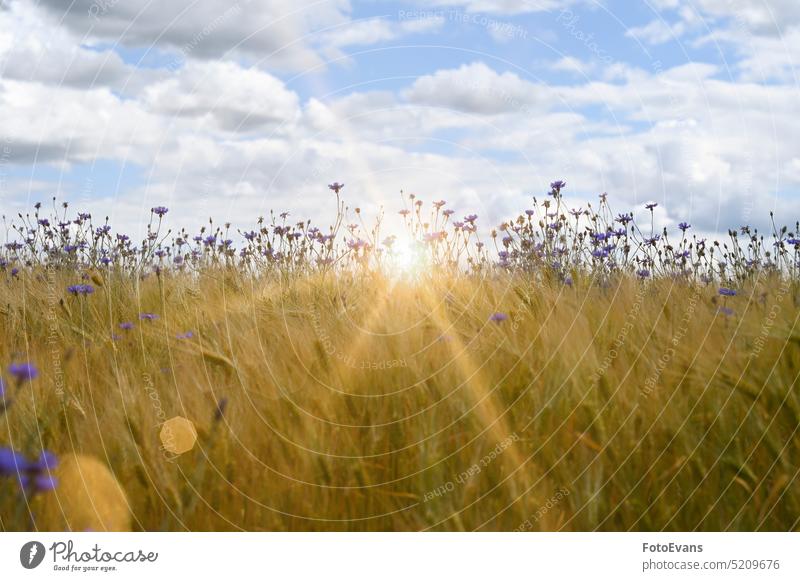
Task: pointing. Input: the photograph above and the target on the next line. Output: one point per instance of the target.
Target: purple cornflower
(558, 185)
(498, 317)
(148, 316)
(11, 462)
(684, 226)
(335, 187)
(80, 289)
(159, 211)
(643, 273)
(651, 205)
(32, 476)
(624, 219)
(727, 292)
(726, 311)
(126, 326)
(186, 335)
(23, 372)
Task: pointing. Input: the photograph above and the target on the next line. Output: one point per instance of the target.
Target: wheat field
(358, 401)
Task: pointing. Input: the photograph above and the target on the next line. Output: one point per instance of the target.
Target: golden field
(359, 402)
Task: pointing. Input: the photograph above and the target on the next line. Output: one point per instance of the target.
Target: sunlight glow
(407, 259)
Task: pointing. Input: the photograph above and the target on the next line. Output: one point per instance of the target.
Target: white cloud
(476, 88)
(224, 96)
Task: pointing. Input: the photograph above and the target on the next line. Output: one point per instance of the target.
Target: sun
(407, 259)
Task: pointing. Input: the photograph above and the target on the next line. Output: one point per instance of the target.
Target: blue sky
(232, 108)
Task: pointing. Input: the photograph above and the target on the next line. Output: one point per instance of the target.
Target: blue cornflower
(11, 462)
(727, 292)
(80, 289)
(498, 317)
(23, 372)
(32, 476)
(651, 205)
(148, 316)
(684, 226)
(335, 187)
(126, 326)
(159, 211)
(643, 273)
(186, 335)
(558, 185)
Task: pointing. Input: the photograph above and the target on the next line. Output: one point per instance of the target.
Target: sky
(226, 109)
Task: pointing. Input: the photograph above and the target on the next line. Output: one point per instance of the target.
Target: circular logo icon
(31, 554)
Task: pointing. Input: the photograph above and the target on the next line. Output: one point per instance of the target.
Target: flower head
(727, 292)
(159, 211)
(33, 476)
(148, 316)
(335, 187)
(498, 317)
(80, 289)
(23, 372)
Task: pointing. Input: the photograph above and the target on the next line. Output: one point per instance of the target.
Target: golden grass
(362, 403)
